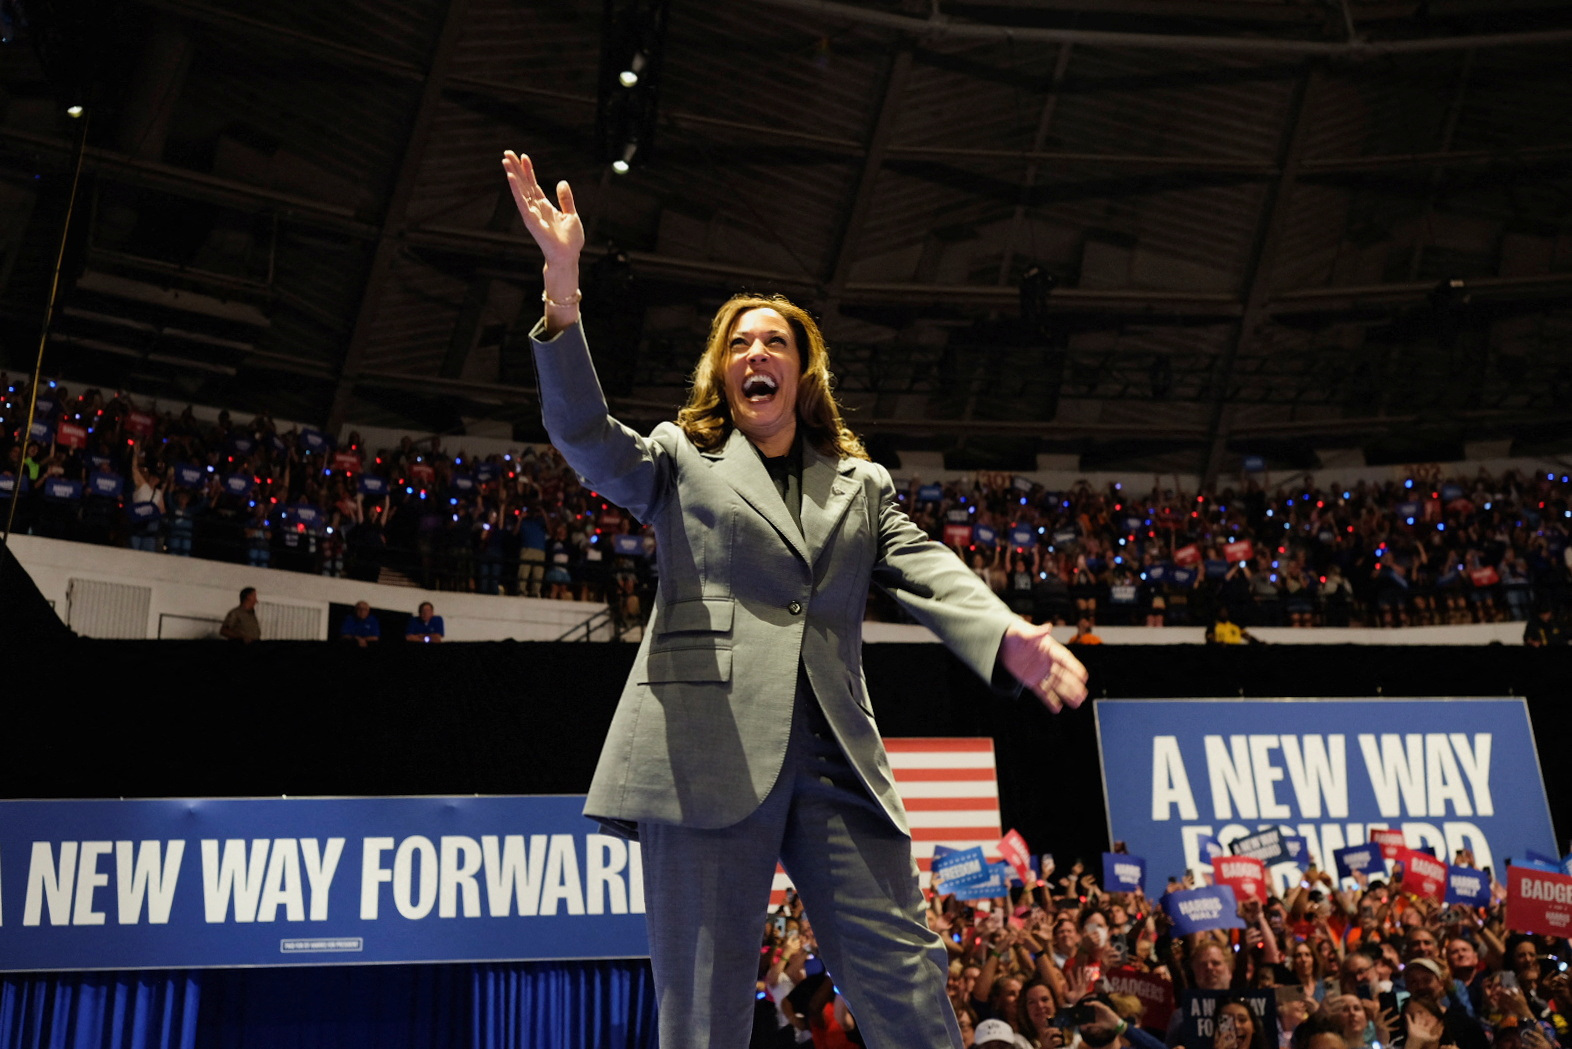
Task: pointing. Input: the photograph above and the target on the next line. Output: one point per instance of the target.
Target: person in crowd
(360, 626)
(1084, 634)
(1226, 632)
(994, 1034)
(426, 626)
(1542, 629)
(240, 623)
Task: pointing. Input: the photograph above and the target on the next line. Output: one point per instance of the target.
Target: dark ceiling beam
(183, 182)
(879, 134)
(389, 236)
(1254, 11)
(1061, 66)
(1258, 270)
(259, 29)
(939, 26)
(494, 251)
(477, 296)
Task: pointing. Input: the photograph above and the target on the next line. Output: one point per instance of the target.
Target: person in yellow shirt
(1226, 632)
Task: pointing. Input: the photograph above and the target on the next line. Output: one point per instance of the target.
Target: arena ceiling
(1150, 233)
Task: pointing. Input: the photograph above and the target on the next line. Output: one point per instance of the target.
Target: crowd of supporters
(1432, 548)
(1336, 965)
(1429, 549)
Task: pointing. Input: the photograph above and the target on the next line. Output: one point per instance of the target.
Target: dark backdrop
(192, 718)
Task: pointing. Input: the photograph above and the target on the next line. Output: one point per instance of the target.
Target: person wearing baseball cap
(1427, 981)
(994, 1034)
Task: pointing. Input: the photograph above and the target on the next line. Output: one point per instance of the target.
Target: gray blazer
(745, 598)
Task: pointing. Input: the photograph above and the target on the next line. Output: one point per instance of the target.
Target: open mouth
(758, 388)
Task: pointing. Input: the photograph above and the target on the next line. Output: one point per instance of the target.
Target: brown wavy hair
(706, 418)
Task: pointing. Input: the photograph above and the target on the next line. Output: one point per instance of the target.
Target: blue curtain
(112, 1010)
(551, 1005)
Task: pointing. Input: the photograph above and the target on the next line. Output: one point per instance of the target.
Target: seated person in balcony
(360, 626)
(426, 626)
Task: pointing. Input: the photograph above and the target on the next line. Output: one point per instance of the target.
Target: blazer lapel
(740, 466)
(826, 494)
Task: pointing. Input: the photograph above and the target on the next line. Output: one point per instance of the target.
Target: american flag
(951, 792)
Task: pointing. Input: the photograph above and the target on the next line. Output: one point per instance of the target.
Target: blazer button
(795, 608)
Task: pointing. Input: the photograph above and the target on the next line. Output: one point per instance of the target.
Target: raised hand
(556, 228)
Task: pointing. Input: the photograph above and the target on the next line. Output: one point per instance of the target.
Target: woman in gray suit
(744, 734)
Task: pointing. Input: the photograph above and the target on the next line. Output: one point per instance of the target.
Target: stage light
(623, 164)
(74, 111)
(630, 77)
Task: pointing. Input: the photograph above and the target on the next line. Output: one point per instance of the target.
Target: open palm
(556, 228)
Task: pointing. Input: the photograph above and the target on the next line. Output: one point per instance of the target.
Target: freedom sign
(312, 881)
(1447, 774)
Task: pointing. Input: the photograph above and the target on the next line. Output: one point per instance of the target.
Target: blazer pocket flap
(703, 615)
(687, 664)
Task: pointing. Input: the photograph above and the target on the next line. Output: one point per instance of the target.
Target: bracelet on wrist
(562, 304)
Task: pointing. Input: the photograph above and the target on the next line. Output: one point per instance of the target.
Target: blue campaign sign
(41, 431)
(145, 513)
(1254, 463)
(1064, 536)
(996, 882)
(1123, 873)
(984, 535)
(1215, 569)
(244, 444)
(1269, 846)
(1467, 885)
(313, 441)
(930, 493)
(485, 472)
(963, 867)
(238, 484)
(1025, 538)
(312, 881)
(1451, 492)
(463, 484)
(188, 476)
(1449, 773)
(370, 484)
(8, 485)
(1538, 861)
(627, 545)
(1364, 858)
(61, 490)
(110, 486)
(308, 515)
(1211, 907)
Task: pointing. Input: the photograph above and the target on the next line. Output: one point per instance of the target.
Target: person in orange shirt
(1084, 635)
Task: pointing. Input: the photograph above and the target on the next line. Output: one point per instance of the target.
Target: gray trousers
(707, 893)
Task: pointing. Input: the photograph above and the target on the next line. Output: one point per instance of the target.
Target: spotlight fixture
(630, 77)
(625, 162)
(74, 111)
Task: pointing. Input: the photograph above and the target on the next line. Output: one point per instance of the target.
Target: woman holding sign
(744, 734)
